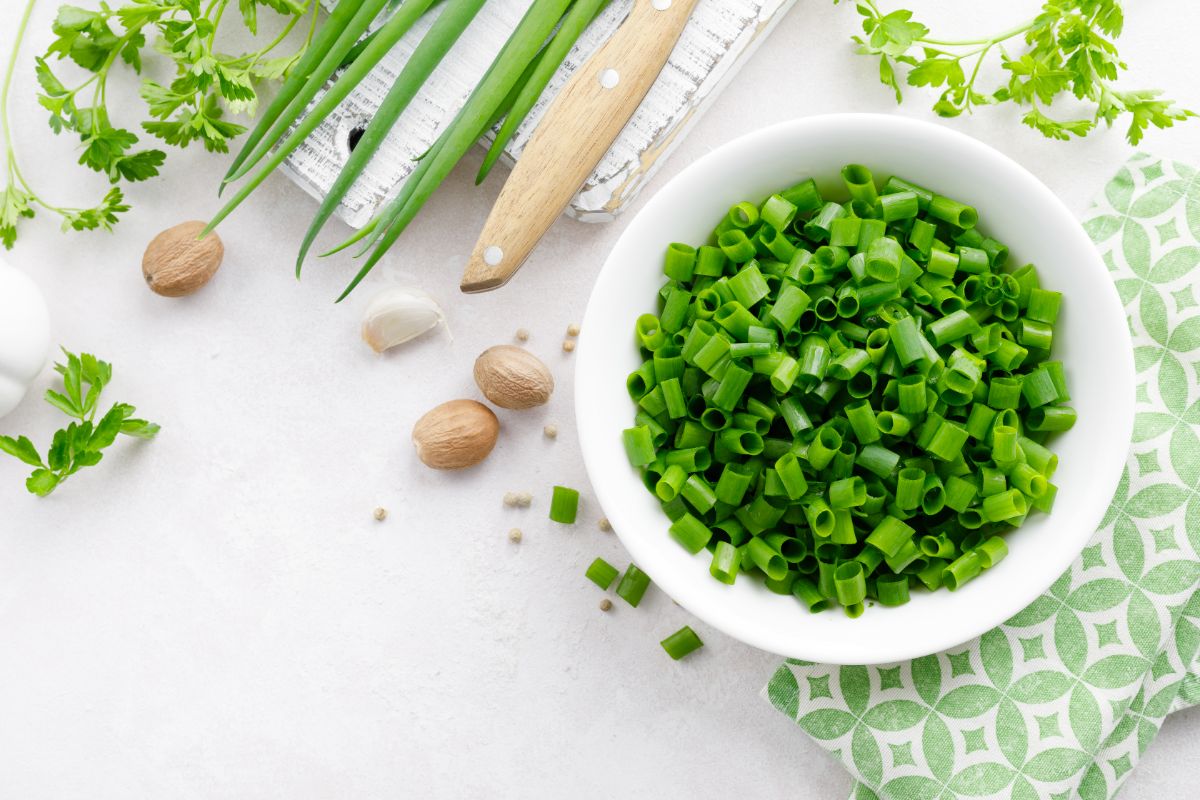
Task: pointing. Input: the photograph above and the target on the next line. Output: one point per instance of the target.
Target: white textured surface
(216, 615)
(719, 34)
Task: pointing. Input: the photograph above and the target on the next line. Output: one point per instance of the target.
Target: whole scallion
(374, 48)
(505, 71)
(505, 93)
(395, 28)
(581, 13)
(428, 55)
(299, 82)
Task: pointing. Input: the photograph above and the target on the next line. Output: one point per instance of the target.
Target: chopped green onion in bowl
(849, 399)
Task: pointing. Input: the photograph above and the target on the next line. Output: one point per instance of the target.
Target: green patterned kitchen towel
(1059, 702)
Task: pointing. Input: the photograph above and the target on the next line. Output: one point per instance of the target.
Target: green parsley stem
(100, 93)
(975, 72)
(1000, 37)
(257, 55)
(13, 170)
(212, 37)
(312, 26)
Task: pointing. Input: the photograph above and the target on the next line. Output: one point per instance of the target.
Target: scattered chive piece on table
(602, 573)
(564, 505)
(850, 399)
(681, 643)
(633, 585)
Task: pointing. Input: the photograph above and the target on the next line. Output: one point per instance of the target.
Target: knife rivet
(493, 256)
(609, 78)
(661, 5)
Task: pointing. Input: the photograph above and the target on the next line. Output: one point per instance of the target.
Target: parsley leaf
(936, 72)
(1054, 129)
(103, 216)
(82, 442)
(21, 448)
(102, 147)
(896, 32)
(1147, 109)
(15, 203)
(204, 84)
(1068, 50)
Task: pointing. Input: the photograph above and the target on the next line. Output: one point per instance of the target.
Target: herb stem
(257, 55)
(100, 94)
(991, 40)
(10, 149)
(312, 26)
(95, 76)
(212, 37)
(975, 72)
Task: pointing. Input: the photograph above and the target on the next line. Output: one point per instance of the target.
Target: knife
(577, 130)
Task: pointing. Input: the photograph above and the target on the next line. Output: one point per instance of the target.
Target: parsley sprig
(82, 442)
(1066, 50)
(207, 84)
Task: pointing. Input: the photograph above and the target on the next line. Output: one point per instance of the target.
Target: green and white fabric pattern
(1060, 701)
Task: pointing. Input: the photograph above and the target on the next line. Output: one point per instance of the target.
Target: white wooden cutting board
(718, 38)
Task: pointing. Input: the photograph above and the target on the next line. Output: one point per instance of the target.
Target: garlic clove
(397, 315)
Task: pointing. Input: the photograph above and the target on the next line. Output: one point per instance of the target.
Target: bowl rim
(1009, 603)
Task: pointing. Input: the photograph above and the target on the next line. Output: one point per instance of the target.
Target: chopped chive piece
(564, 505)
(846, 399)
(682, 642)
(602, 573)
(633, 585)
(725, 562)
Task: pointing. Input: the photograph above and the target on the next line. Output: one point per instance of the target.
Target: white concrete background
(217, 615)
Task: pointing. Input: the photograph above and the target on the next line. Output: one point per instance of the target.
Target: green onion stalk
(537, 24)
(428, 55)
(392, 31)
(504, 96)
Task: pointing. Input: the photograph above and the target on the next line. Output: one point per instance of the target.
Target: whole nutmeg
(456, 434)
(176, 263)
(513, 378)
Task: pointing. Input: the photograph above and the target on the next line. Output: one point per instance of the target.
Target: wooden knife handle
(576, 131)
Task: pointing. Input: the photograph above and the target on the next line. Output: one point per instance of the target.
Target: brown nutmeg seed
(176, 263)
(512, 377)
(457, 434)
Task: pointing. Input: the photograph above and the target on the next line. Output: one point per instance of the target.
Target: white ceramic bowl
(1091, 338)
